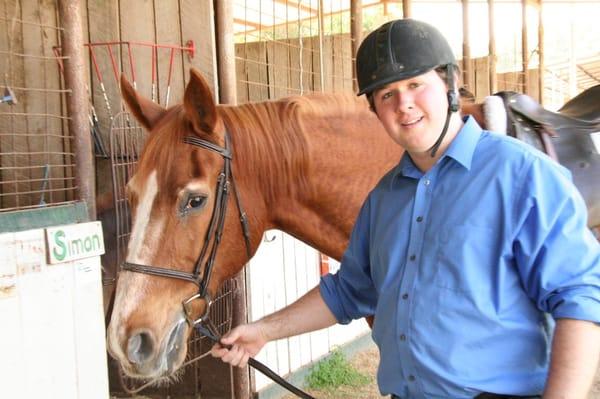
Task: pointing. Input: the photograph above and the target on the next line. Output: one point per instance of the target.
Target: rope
(213, 336)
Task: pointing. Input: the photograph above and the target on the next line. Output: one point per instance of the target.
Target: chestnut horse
(303, 165)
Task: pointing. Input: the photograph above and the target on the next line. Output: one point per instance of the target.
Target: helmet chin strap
(453, 106)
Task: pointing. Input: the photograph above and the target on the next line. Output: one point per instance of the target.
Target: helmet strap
(453, 106)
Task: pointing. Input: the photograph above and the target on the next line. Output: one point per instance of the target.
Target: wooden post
(228, 95)
(524, 45)
(321, 27)
(226, 52)
(492, 49)
(77, 103)
(542, 65)
(356, 34)
(406, 8)
(467, 70)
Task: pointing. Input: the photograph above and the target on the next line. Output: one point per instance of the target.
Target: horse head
(176, 200)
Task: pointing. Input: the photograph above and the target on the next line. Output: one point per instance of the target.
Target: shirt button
(405, 296)
(411, 377)
(419, 219)
(402, 337)
(427, 182)
(413, 257)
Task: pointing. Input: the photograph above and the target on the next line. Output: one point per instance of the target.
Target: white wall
(282, 270)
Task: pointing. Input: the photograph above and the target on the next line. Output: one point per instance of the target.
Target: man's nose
(405, 102)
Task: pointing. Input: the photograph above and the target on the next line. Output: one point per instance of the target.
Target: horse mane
(272, 142)
(270, 139)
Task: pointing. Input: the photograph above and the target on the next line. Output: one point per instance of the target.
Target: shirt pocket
(466, 259)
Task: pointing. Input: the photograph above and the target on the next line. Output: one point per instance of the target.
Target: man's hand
(239, 344)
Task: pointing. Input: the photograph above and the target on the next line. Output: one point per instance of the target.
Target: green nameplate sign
(74, 241)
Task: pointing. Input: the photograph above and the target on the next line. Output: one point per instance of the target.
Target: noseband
(225, 184)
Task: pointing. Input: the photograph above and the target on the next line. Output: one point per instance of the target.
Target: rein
(225, 184)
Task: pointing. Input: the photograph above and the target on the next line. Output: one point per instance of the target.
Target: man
(466, 252)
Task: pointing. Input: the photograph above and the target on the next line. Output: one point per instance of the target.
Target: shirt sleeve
(557, 256)
(350, 293)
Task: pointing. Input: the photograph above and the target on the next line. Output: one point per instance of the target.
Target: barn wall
(172, 23)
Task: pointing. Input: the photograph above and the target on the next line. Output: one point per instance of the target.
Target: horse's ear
(145, 111)
(199, 104)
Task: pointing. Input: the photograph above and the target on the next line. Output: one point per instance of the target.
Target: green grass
(335, 371)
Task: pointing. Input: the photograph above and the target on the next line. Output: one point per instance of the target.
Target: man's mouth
(412, 122)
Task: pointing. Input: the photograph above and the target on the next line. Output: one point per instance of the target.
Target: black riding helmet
(403, 49)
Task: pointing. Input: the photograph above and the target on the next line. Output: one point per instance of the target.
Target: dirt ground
(367, 361)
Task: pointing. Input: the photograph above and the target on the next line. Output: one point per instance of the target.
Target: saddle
(530, 122)
(564, 135)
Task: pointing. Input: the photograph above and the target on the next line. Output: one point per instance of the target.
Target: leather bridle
(225, 184)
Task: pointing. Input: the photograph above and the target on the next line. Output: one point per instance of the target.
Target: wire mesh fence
(289, 47)
(37, 159)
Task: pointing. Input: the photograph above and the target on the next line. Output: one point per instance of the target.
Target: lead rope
(210, 332)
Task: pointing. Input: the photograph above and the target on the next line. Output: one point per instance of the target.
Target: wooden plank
(301, 65)
(52, 106)
(257, 71)
(168, 31)
(103, 22)
(533, 89)
(139, 29)
(197, 24)
(278, 69)
(337, 61)
(482, 78)
(241, 73)
(348, 63)
(35, 100)
(7, 41)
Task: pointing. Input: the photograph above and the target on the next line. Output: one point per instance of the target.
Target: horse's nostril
(139, 348)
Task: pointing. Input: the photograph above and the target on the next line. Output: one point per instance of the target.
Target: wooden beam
(406, 8)
(248, 23)
(541, 56)
(294, 3)
(355, 34)
(77, 101)
(467, 71)
(524, 45)
(492, 49)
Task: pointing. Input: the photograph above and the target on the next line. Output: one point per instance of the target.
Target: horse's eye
(194, 202)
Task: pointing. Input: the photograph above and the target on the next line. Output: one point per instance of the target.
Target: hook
(9, 97)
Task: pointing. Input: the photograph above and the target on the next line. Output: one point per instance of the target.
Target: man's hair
(441, 71)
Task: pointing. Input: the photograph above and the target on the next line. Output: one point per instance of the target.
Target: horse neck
(308, 164)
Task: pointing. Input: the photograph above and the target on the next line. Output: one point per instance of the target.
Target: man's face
(413, 111)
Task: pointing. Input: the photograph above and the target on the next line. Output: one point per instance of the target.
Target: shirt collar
(461, 150)
(463, 146)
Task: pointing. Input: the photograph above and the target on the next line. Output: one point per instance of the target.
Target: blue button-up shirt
(465, 267)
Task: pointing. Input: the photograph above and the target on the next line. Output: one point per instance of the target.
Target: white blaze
(142, 246)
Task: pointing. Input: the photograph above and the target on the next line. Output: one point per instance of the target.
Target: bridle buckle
(187, 309)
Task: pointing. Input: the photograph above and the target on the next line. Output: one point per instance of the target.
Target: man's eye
(386, 95)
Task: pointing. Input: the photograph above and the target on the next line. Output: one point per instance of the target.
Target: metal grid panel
(127, 139)
(289, 47)
(37, 159)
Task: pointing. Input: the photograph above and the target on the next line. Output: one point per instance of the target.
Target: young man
(467, 252)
